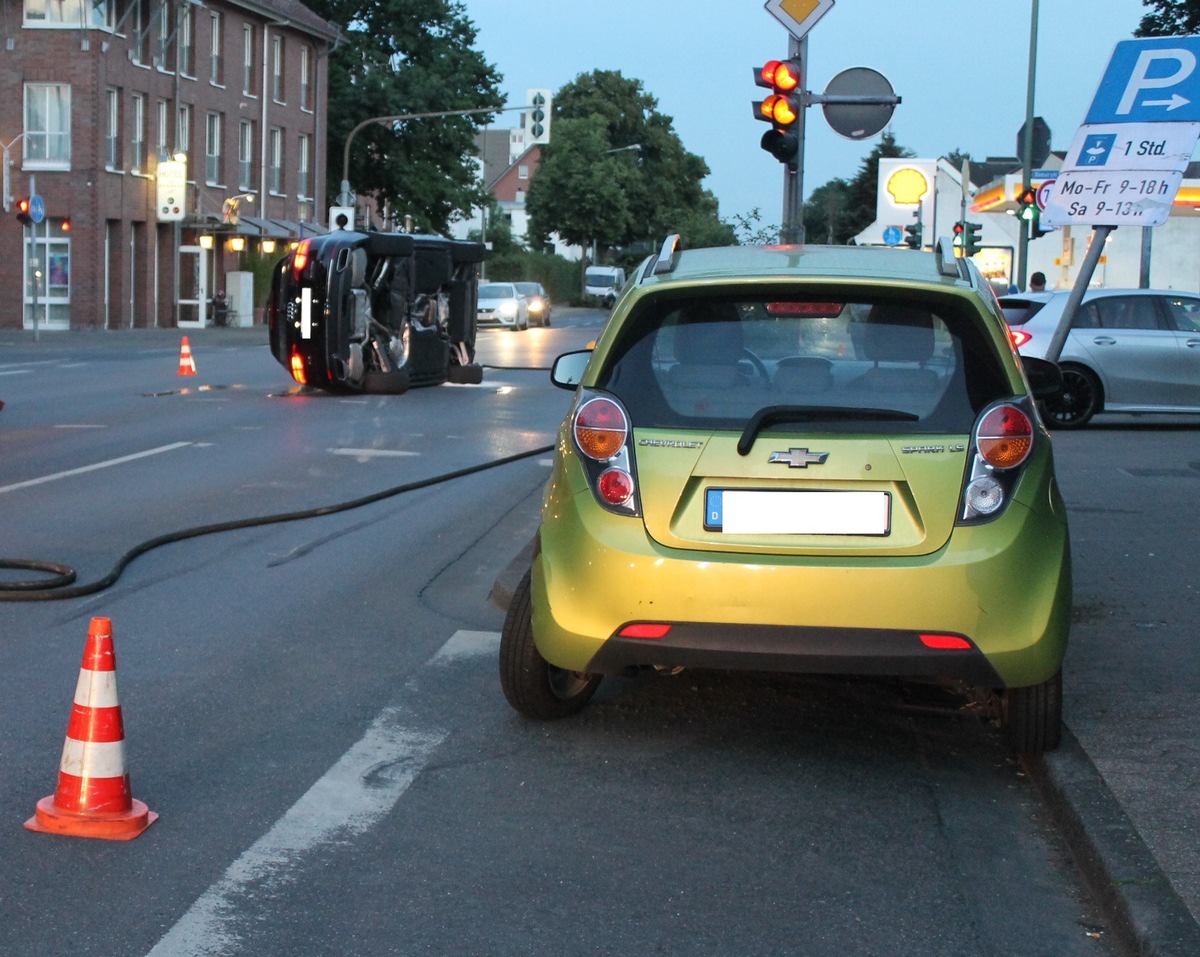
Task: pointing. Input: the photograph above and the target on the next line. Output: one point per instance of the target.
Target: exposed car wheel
(1032, 717)
(1078, 401)
(385, 383)
(533, 686)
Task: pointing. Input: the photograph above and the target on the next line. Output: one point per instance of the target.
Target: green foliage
(750, 230)
(408, 56)
(262, 266)
(838, 211)
(615, 172)
(1169, 18)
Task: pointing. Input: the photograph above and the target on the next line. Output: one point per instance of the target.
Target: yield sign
(798, 16)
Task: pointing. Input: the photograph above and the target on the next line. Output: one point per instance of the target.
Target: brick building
(99, 93)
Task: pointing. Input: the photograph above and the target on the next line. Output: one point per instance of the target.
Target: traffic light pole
(792, 230)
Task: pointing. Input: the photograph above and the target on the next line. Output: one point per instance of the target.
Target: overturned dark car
(376, 312)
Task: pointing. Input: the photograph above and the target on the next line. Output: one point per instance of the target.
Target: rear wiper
(774, 414)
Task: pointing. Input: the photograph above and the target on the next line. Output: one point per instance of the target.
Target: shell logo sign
(907, 186)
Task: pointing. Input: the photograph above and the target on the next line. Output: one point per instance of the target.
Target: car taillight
(600, 429)
(300, 257)
(297, 368)
(1019, 337)
(1001, 444)
(1004, 437)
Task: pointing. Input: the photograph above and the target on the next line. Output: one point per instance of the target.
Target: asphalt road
(312, 707)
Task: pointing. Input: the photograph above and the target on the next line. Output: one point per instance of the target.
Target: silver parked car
(1129, 350)
(501, 304)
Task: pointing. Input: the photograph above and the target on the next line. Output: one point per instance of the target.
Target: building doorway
(193, 287)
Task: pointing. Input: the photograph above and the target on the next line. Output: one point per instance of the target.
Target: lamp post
(1027, 146)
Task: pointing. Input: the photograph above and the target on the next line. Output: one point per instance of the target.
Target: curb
(1147, 917)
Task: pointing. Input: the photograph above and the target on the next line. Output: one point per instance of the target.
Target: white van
(603, 283)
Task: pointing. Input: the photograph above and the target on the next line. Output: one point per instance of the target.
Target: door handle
(1104, 341)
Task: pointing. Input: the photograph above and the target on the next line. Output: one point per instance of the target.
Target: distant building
(100, 94)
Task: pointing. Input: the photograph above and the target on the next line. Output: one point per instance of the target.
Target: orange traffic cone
(187, 365)
(93, 797)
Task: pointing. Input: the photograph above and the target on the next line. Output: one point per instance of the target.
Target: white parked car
(501, 304)
(1129, 350)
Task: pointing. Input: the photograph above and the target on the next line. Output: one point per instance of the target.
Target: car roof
(854, 263)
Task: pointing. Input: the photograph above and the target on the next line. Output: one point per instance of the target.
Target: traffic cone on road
(187, 365)
(93, 797)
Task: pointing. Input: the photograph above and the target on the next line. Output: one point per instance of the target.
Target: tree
(408, 56)
(1171, 18)
(659, 181)
(825, 214)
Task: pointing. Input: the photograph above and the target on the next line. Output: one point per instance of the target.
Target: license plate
(780, 512)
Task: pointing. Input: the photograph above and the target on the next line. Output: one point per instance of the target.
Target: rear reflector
(945, 642)
(645, 629)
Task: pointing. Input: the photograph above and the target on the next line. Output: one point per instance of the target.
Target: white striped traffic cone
(93, 797)
(187, 365)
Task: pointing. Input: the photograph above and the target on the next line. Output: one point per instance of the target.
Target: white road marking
(92, 468)
(372, 453)
(80, 425)
(350, 798)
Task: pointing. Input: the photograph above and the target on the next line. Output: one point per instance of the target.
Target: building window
(162, 127)
(248, 59)
(305, 78)
(137, 29)
(522, 172)
(212, 149)
(276, 168)
(112, 129)
(216, 69)
(277, 68)
(187, 41)
(137, 145)
(47, 143)
(302, 166)
(183, 130)
(165, 28)
(55, 13)
(245, 154)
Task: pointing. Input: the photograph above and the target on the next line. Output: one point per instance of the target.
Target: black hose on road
(53, 589)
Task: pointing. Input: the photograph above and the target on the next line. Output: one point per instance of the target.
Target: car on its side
(807, 459)
(376, 312)
(538, 301)
(501, 304)
(1129, 350)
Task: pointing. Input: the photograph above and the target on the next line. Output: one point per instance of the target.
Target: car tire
(1032, 717)
(1081, 398)
(533, 686)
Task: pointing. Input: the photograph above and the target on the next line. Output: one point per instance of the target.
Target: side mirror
(567, 371)
(1045, 377)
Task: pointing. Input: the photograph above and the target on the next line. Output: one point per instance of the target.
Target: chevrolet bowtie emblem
(798, 458)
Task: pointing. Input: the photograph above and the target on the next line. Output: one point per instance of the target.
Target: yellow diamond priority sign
(798, 16)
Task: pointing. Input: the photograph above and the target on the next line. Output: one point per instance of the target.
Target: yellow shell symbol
(906, 186)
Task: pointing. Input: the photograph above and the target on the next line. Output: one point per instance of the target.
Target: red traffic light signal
(23, 216)
(785, 80)
(782, 76)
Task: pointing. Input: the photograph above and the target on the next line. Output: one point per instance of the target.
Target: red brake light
(300, 259)
(1005, 437)
(945, 642)
(1019, 337)
(297, 368)
(600, 429)
(645, 629)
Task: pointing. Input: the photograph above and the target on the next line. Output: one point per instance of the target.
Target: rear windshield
(849, 365)
(1018, 311)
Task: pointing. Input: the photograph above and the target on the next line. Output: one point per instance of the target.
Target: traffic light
(970, 238)
(912, 233)
(539, 116)
(959, 228)
(23, 216)
(781, 109)
(65, 225)
(1028, 210)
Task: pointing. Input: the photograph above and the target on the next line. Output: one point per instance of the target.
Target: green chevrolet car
(805, 459)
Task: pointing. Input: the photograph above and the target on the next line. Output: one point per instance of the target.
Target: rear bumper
(1005, 587)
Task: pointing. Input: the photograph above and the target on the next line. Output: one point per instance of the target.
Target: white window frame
(275, 169)
(303, 150)
(137, 142)
(212, 149)
(112, 129)
(216, 66)
(47, 141)
(306, 78)
(277, 68)
(248, 59)
(246, 154)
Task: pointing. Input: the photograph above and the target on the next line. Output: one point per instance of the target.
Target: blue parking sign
(1151, 80)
